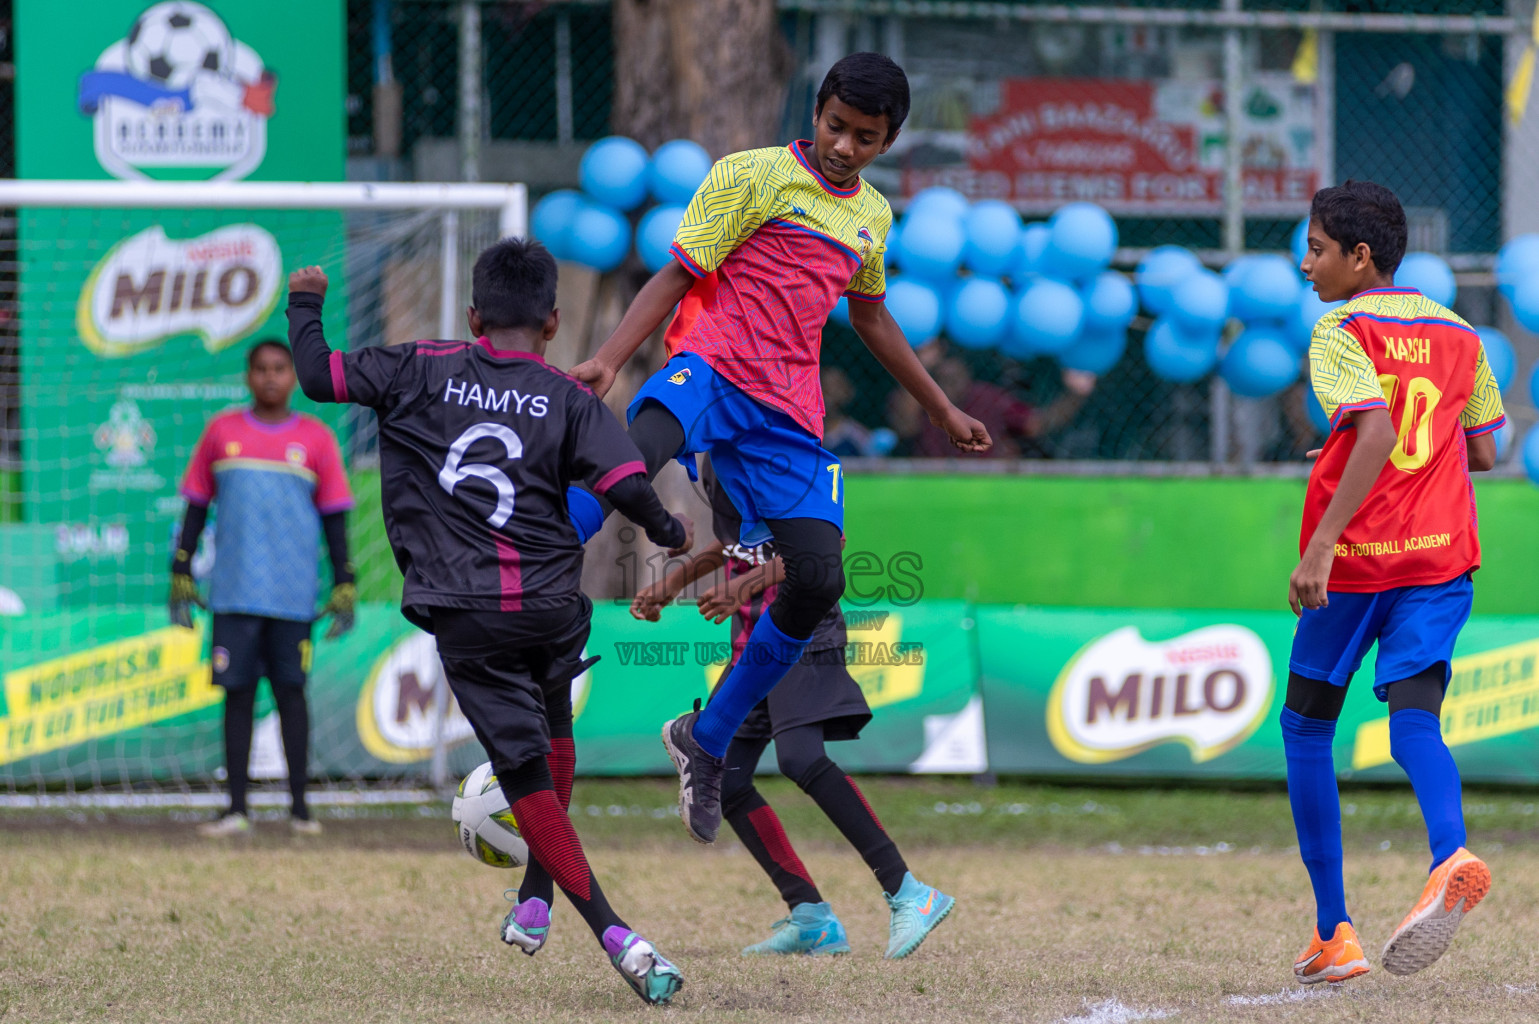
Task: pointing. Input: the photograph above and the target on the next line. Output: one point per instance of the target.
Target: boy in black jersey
(478, 442)
(816, 702)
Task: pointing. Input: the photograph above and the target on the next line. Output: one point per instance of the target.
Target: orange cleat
(1455, 888)
(1338, 960)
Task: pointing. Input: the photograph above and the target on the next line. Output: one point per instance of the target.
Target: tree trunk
(714, 71)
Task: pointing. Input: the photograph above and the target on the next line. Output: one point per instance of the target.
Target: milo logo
(148, 288)
(1122, 694)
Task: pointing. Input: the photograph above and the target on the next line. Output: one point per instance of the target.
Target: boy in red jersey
(769, 243)
(1388, 548)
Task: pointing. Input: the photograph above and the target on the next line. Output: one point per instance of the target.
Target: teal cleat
(812, 928)
(916, 910)
(642, 966)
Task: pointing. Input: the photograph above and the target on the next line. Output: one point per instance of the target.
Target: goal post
(133, 305)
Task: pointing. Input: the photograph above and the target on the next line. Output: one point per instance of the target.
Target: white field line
(1113, 1011)
(1287, 995)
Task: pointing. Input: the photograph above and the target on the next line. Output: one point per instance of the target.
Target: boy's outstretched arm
(647, 311)
(1376, 438)
(312, 356)
(651, 599)
(882, 335)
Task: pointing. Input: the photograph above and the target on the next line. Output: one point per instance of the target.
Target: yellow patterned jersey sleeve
(1344, 378)
(871, 279)
(736, 198)
(1484, 411)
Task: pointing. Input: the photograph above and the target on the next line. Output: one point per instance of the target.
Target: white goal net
(131, 310)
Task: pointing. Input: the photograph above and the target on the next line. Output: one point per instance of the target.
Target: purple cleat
(527, 925)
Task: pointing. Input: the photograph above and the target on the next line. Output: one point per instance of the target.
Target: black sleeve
(367, 377)
(639, 503)
(335, 526)
(192, 528)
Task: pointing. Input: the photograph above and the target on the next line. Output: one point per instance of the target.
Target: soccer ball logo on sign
(179, 91)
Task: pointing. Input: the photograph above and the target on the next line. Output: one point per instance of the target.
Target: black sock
(238, 708)
(294, 721)
(759, 827)
(838, 797)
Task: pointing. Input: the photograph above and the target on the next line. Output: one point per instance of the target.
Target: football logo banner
(1122, 694)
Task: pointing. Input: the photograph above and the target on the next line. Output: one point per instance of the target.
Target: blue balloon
(1048, 317)
(1525, 303)
(1096, 351)
(1517, 261)
(654, 236)
(1299, 243)
(978, 313)
(1160, 272)
(1265, 289)
(1177, 357)
(1531, 453)
(1200, 304)
(890, 255)
(1504, 362)
(931, 246)
(993, 231)
(600, 237)
(1301, 328)
(614, 172)
(1260, 363)
(551, 221)
(840, 314)
(1028, 254)
(677, 170)
(1235, 268)
(883, 441)
(1533, 385)
(1110, 302)
(1316, 411)
(1082, 241)
(947, 202)
(916, 307)
(1429, 275)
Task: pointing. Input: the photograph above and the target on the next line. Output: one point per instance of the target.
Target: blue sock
(586, 512)
(766, 659)
(1416, 743)
(1316, 813)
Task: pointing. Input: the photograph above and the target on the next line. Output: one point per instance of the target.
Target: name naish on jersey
(492, 399)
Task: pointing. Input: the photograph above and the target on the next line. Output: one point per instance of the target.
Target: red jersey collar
(508, 353)
(842, 193)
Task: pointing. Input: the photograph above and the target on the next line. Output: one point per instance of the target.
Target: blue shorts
(1415, 628)
(771, 467)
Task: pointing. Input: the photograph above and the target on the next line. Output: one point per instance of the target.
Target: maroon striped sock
(546, 828)
(758, 827)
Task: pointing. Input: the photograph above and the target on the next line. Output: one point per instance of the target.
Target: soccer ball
(173, 42)
(485, 823)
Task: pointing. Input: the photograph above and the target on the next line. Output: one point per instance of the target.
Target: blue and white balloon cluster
(617, 176)
(977, 273)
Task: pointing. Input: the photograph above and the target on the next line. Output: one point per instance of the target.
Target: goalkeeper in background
(278, 477)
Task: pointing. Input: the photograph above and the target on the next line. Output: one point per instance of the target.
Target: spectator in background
(280, 484)
(1009, 420)
(843, 435)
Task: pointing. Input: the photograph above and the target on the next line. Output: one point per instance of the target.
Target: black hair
(513, 284)
(1363, 211)
(251, 353)
(872, 84)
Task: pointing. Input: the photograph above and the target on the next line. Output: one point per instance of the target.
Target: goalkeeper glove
(184, 592)
(340, 606)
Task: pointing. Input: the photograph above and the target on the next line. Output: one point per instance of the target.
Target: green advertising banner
(77, 709)
(1197, 694)
(134, 323)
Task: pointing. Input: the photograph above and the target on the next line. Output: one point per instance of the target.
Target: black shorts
(504, 692)
(819, 688)
(249, 647)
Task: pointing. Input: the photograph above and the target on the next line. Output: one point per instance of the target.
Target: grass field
(1080, 905)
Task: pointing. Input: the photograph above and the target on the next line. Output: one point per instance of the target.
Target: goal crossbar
(511, 201)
